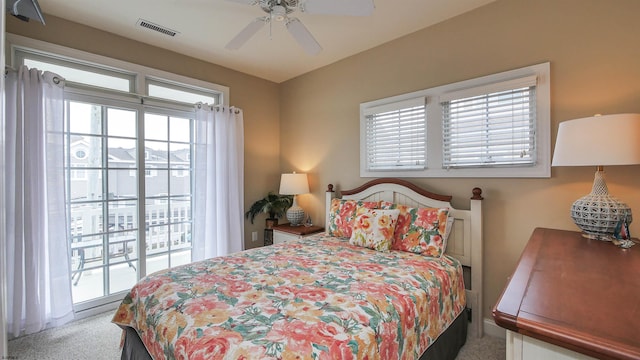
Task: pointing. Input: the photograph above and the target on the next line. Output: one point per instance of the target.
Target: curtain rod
(56, 79)
(217, 107)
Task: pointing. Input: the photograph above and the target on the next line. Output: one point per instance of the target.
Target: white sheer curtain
(39, 283)
(219, 182)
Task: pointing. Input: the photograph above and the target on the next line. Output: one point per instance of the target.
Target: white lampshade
(294, 184)
(598, 141)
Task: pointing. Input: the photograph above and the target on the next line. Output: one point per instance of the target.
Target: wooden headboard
(464, 242)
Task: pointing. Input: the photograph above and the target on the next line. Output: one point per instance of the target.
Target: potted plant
(273, 204)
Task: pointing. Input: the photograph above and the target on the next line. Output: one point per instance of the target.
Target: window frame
(20, 53)
(136, 98)
(112, 67)
(386, 113)
(434, 125)
(500, 98)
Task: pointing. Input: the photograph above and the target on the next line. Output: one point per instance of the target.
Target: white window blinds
(395, 135)
(490, 126)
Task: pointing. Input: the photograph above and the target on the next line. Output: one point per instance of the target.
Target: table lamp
(294, 184)
(600, 140)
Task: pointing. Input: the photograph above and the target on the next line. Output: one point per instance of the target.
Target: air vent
(155, 27)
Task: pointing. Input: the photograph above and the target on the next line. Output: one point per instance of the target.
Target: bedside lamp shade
(599, 141)
(294, 184)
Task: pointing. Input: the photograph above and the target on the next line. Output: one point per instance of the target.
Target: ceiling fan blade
(339, 7)
(246, 33)
(303, 36)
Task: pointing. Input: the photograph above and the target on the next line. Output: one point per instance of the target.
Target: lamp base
(598, 213)
(597, 236)
(295, 215)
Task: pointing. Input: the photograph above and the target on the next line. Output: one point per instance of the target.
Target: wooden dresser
(569, 292)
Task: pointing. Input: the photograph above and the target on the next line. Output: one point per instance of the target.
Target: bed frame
(464, 244)
(465, 239)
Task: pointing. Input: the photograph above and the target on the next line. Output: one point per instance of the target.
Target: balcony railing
(167, 230)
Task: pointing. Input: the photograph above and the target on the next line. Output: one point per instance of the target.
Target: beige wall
(594, 50)
(258, 98)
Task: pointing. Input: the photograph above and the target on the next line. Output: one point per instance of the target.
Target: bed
(329, 296)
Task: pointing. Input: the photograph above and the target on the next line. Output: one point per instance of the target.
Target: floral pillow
(420, 230)
(374, 228)
(343, 213)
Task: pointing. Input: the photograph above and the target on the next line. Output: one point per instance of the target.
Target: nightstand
(286, 233)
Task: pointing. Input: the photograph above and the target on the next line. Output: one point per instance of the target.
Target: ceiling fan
(279, 10)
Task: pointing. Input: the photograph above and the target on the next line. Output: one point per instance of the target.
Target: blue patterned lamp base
(598, 213)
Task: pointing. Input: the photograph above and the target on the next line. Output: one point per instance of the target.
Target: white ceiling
(205, 26)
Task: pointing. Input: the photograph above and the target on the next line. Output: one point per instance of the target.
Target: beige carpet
(486, 348)
(96, 338)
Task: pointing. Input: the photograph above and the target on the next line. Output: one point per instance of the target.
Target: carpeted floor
(486, 348)
(96, 338)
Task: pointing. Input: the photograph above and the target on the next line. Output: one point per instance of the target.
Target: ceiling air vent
(155, 27)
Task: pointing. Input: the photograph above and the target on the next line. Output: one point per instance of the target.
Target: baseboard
(490, 328)
(85, 313)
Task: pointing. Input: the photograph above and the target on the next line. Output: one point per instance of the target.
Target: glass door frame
(129, 104)
(141, 261)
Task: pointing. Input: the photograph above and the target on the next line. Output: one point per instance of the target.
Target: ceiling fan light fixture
(278, 13)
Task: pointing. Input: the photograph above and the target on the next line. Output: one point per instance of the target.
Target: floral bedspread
(319, 298)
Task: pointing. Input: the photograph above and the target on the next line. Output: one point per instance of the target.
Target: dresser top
(577, 293)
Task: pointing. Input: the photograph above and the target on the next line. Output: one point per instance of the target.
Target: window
(176, 92)
(490, 129)
(80, 154)
(129, 139)
(150, 172)
(78, 172)
(180, 172)
(494, 126)
(79, 73)
(395, 135)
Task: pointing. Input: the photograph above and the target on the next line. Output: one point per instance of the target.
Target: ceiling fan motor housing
(279, 7)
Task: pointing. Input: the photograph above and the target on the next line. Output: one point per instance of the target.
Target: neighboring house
(123, 183)
(86, 218)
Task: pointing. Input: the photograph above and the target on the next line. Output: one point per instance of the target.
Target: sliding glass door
(129, 194)
(129, 148)
(102, 197)
(167, 173)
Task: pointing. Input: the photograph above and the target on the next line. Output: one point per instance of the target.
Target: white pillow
(373, 229)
